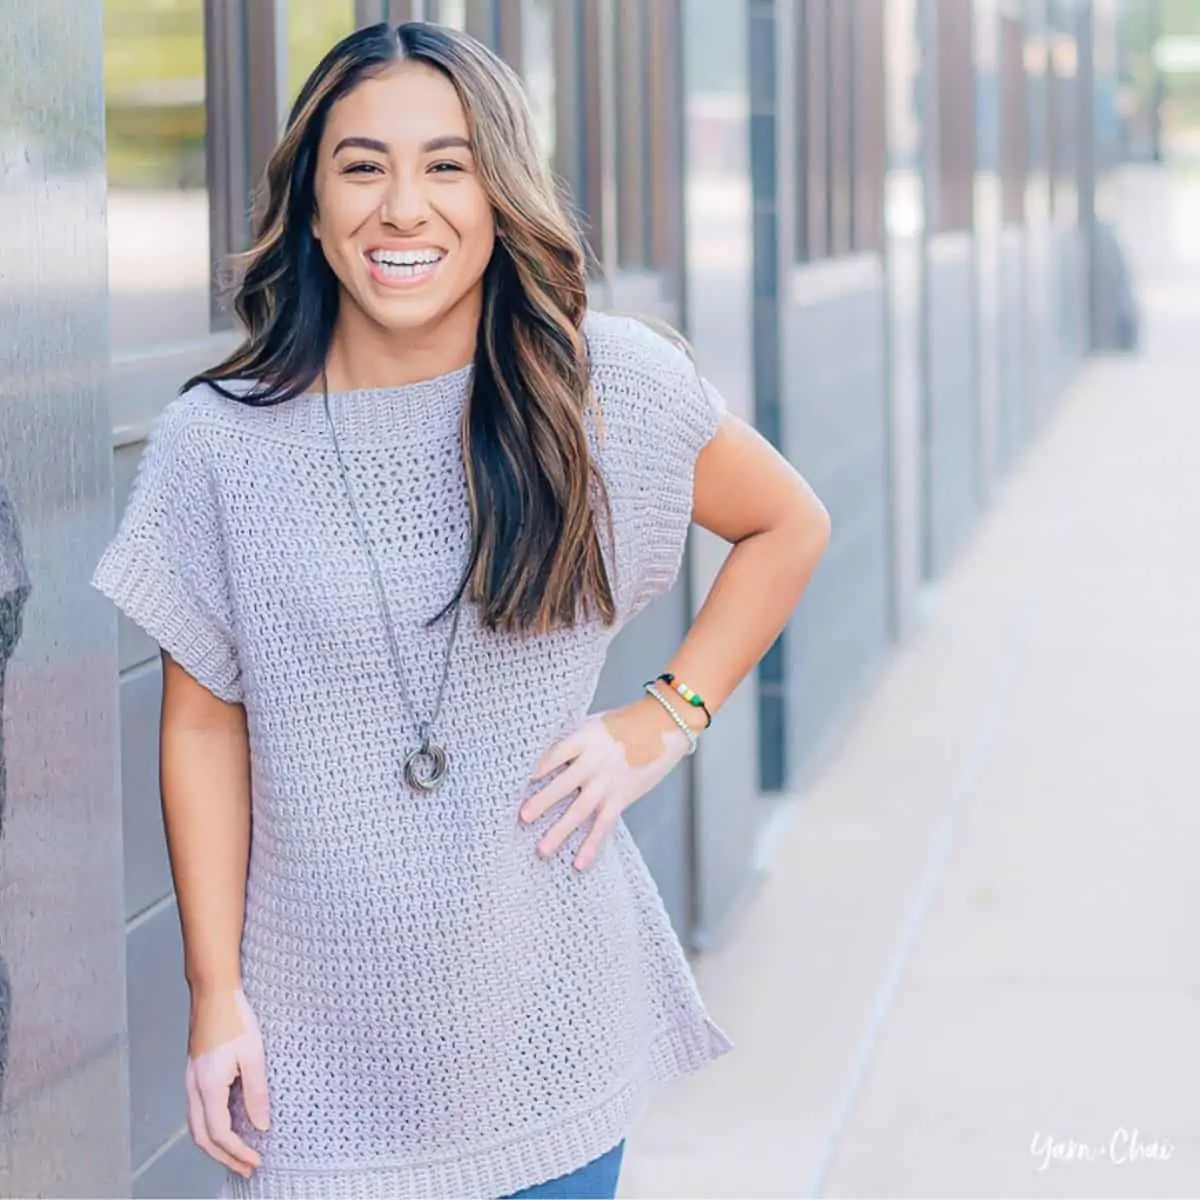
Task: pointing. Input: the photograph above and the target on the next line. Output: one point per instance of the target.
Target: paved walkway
(974, 969)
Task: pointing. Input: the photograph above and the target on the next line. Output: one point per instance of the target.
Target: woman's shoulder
(203, 407)
(639, 352)
(215, 403)
(647, 383)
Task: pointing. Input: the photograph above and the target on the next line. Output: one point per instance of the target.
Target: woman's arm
(747, 493)
(205, 776)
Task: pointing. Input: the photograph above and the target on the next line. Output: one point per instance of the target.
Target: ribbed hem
(155, 602)
(501, 1168)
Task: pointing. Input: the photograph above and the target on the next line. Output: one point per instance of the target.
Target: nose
(405, 203)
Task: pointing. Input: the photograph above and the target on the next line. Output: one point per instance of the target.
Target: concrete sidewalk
(974, 968)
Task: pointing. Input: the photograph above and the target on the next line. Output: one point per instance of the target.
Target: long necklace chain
(425, 766)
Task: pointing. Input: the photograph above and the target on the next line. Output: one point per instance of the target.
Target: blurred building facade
(875, 220)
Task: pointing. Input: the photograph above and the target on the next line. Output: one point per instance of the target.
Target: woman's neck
(365, 355)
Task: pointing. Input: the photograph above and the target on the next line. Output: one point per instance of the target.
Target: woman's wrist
(216, 984)
(680, 694)
(665, 716)
(694, 718)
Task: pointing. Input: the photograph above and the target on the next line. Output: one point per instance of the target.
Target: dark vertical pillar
(763, 40)
(726, 813)
(228, 164)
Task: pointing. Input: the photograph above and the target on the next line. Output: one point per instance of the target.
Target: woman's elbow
(809, 527)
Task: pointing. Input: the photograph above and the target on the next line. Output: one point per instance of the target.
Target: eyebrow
(446, 141)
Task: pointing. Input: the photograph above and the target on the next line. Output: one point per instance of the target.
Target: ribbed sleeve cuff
(155, 600)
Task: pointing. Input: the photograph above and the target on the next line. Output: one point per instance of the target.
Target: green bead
(696, 702)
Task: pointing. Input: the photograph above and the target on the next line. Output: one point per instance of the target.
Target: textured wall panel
(1014, 417)
(61, 937)
(147, 869)
(1041, 316)
(1070, 289)
(158, 1025)
(835, 416)
(951, 403)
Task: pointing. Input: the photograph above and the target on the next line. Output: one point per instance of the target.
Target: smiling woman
(423, 140)
(435, 226)
(385, 547)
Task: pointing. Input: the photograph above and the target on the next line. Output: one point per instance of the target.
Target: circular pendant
(426, 767)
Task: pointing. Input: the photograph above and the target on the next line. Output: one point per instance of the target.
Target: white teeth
(405, 272)
(405, 258)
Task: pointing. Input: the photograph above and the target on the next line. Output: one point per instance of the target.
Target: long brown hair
(535, 492)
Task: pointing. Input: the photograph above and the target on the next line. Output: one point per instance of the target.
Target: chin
(419, 309)
(412, 313)
(408, 322)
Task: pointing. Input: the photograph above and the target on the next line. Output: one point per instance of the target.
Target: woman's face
(402, 217)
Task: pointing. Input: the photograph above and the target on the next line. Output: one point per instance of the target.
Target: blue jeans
(596, 1180)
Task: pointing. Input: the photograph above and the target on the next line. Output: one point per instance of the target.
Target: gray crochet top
(444, 1013)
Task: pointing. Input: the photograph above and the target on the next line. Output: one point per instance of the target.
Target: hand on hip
(610, 761)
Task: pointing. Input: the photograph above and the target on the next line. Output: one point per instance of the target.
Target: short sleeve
(165, 568)
(660, 412)
(690, 417)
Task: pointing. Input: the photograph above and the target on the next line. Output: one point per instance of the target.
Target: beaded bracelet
(691, 697)
(689, 732)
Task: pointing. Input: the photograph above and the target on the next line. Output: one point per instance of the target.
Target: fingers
(198, 1128)
(195, 1110)
(252, 1066)
(557, 756)
(583, 807)
(254, 1090)
(224, 1158)
(219, 1124)
(556, 790)
(602, 826)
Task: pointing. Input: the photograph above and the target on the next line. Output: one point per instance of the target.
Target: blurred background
(934, 860)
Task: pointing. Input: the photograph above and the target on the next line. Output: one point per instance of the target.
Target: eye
(447, 166)
(362, 168)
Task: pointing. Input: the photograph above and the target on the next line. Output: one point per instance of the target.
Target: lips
(398, 267)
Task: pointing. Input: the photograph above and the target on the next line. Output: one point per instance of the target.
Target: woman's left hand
(611, 760)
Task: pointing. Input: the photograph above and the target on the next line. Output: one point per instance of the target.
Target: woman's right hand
(224, 1043)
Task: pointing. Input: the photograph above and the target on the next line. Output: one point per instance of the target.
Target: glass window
(1063, 104)
(840, 81)
(870, 119)
(955, 116)
(664, 132)
(840, 123)
(449, 12)
(1037, 160)
(1013, 130)
(632, 133)
(604, 85)
(813, 160)
(158, 211)
(582, 46)
(903, 191)
(313, 27)
(537, 68)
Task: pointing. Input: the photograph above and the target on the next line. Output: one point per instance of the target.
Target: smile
(403, 267)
